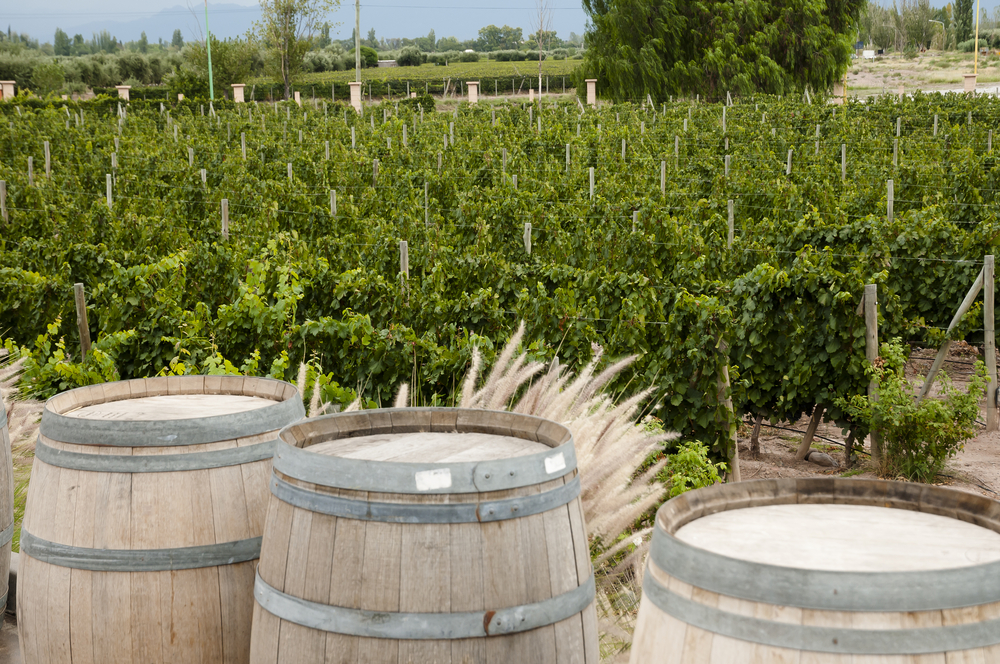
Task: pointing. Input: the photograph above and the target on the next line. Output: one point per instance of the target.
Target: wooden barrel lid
(170, 407)
(430, 447)
(848, 538)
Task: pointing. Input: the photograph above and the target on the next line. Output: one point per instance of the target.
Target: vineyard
(606, 226)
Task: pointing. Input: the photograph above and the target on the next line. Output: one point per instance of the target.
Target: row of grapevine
(638, 261)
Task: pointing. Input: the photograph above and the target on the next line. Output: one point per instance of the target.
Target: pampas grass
(23, 419)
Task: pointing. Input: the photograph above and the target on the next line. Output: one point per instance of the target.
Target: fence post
(890, 195)
(663, 178)
(81, 319)
(333, 202)
(31, 172)
(732, 228)
(404, 260)
(788, 168)
(3, 200)
(108, 177)
(48, 161)
(243, 145)
(225, 218)
(990, 344)
(843, 162)
(527, 237)
(374, 171)
(871, 354)
(327, 146)
(591, 183)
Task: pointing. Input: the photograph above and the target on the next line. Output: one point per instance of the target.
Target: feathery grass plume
(402, 397)
(610, 444)
(23, 419)
(300, 380)
(315, 407)
(469, 384)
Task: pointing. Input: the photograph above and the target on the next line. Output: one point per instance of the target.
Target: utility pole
(357, 38)
(208, 47)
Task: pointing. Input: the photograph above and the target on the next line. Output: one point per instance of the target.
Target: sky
(390, 18)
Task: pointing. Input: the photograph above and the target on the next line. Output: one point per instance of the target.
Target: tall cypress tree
(963, 20)
(664, 47)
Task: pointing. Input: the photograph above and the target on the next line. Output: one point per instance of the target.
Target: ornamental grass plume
(610, 444)
(23, 415)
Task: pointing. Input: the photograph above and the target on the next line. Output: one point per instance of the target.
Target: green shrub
(48, 77)
(917, 438)
(369, 57)
(410, 57)
(690, 468)
(469, 57)
(968, 46)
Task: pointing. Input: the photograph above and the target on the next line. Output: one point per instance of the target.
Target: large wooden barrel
(822, 570)
(6, 506)
(143, 521)
(425, 535)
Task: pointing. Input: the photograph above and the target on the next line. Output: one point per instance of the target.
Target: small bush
(48, 77)
(469, 57)
(410, 57)
(690, 468)
(369, 57)
(917, 438)
(968, 46)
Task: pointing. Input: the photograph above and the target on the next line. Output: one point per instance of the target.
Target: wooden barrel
(6, 507)
(822, 570)
(425, 535)
(143, 521)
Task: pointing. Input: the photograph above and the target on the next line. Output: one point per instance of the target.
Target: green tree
(372, 40)
(285, 30)
(61, 43)
(48, 77)
(492, 38)
(658, 47)
(178, 40)
(963, 20)
(79, 45)
(143, 43)
(231, 62)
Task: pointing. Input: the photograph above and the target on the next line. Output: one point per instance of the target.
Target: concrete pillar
(180, 96)
(531, 95)
(123, 91)
(413, 95)
(356, 95)
(473, 88)
(298, 98)
(238, 92)
(839, 94)
(591, 92)
(970, 83)
(6, 90)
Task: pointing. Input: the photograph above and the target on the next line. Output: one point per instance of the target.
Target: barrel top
(430, 447)
(849, 538)
(170, 407)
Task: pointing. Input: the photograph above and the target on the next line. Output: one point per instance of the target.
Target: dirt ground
(976, 468)
(932, 70)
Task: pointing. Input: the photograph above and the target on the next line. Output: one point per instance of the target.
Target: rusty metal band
(140, 560)
(923, 640)
(171, 433)
(825, 590)
(161, 463)
(399, 477)
(420, 626)
(366, 510)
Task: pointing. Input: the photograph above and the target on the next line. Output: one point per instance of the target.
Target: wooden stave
(272, 643)
(6, 508)
(231, 516)
(661, 637)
